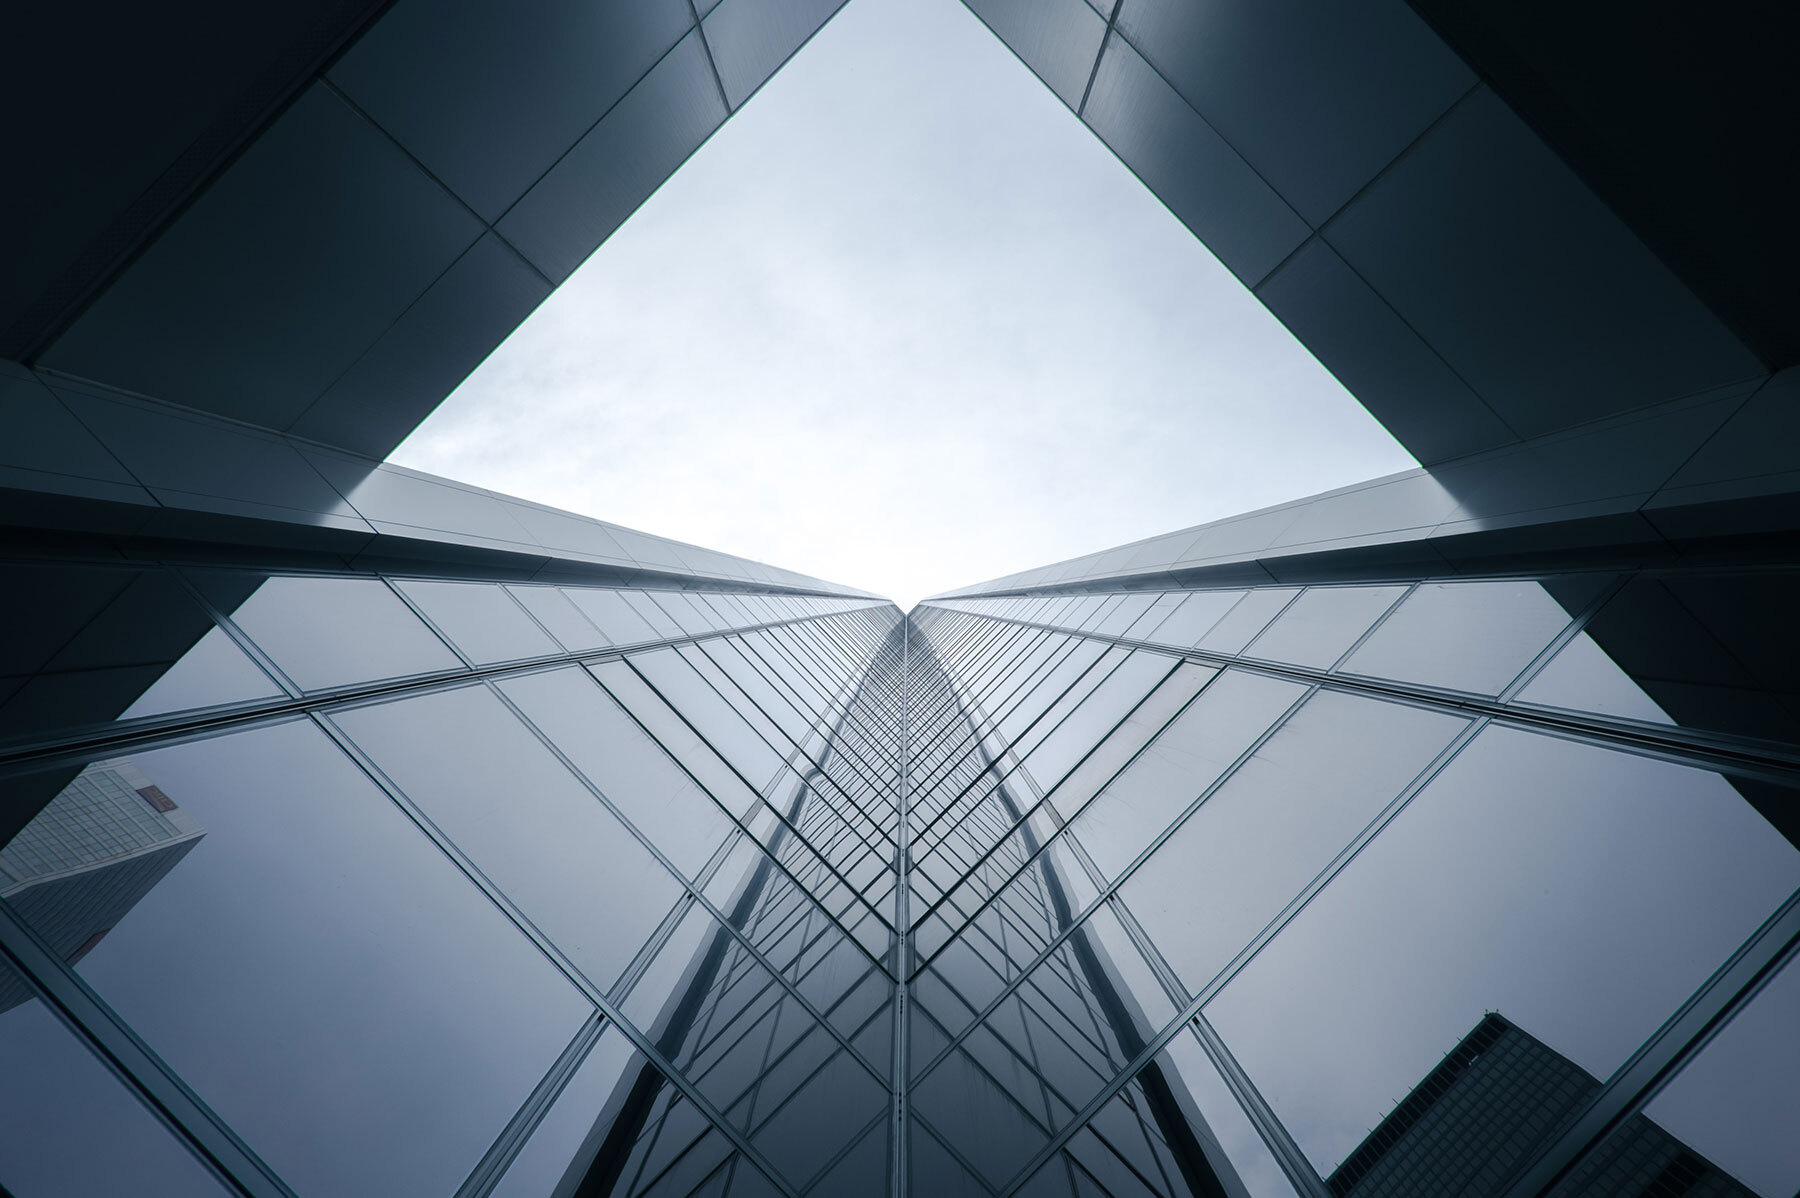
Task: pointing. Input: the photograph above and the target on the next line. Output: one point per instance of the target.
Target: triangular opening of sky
(906, 324)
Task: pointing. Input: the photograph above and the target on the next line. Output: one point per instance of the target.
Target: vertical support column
(902, 914)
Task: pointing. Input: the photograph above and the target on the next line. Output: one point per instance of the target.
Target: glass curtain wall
(333, 884)
(320, 883)
(1319, 833)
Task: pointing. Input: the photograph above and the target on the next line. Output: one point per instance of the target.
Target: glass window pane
(1125, 614)
(326, 632)
(561, 1144)
(680, 741)
(480, 619)
(1735, 1102)
(1155, 614)
(644, 603)
(87, 646)
(1321, 625)
(1466, 636)
(1581, 677)
(523, 819)
(214, 672)
(1580, 893)
(73, 1129)
(688, 611)
(554, 611)
(1196, 615)
(654, 992)
(629, 768)
(1230, 1129)
(1278, 820)
(300, 928)
(1101, 711)
(1179, 765)
(711, 715)
(612, 615)
(1713, 651)
(1249, 616)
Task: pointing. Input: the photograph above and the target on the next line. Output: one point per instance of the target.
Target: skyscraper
(89, 856)
(544, 856)
(1487, 1104)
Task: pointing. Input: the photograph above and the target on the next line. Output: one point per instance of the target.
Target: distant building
(1495, 1098)
(89, 857)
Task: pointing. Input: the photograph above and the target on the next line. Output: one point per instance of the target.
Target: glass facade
(364, 832)
(340, 882)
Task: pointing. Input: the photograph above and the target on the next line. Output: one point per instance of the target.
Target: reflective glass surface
(1472, 636)
(86, 646)
(329, 632)
(74, 1129)
(1320, 626)
(284, 918)
(1271, 891)
(480, 619)
(1503, 887)
(527, 823)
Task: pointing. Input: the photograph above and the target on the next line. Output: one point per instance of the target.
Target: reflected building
(89, 856)
(546, 856)
(1494, 1098)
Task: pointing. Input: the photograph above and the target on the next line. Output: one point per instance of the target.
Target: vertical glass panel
(733, 877)
(718, 610)
(629, 768)
(646, 606)
(1714, 651)
(1321, 625)
(772, 702)
(1139, 1144)
(480, 619)
(1179, 765)
(554, 611)
(1102, 711)
(980, 1117)
(1082, 609)
(1096, 617)
(1147, 1001)
(73, 1129)
(1466, 636)
(326, 632)
(614, 617)
(1196, 615)
(1275, 823)
(523, 819)
(711, 715)
(214, 672)
(1735, 1103)
(1225, 1130)
(658, 989)
(1249, 616)
(935, 1171)
(1155, 614)
(565, 1142)
(1581, 677)
(821, 1108)
(85, 646)
(680, 741)
(691, 617)
(1125, 614)
(863, 1170)
(311, 964)
(1579, 893)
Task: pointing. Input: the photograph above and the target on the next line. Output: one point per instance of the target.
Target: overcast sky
(903, 323)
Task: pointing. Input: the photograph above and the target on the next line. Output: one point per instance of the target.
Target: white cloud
(906, 324)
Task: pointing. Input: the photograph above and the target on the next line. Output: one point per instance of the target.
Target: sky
(905, 324)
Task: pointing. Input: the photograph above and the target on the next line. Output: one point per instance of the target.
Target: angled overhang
(315, 220)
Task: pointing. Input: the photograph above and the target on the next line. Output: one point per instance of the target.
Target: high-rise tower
(542, 856)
